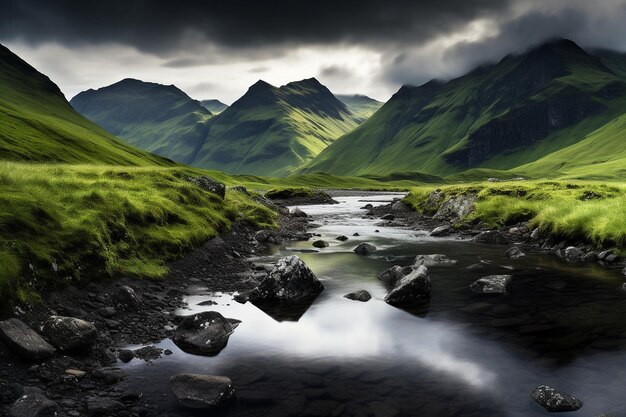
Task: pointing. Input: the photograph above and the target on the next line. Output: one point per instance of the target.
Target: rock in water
(515, 252)
(573, 254)
(69, 333)
(433, 260)
(491, 284)
(391, 276)
(492, 237)
(24, 341)
(555, 401)
(441, 231)
(204, 333)
(33, 404)
(365, 249)
(289, 280)
(202, 391)
(320, 244)
(210, 185)
(412, 288)
(360, 295)
(388, 217)
(342, 238)
(298, 213)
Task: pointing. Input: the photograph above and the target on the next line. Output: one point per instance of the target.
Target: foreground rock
(412, 288)
(298, 213)
(69, 333)
(456, 207)
(492, 237)
(342, 238)
(33, 403)
(289, 280)
(555, 401)
(514, 252)
(202, 391)
(441, 231)
(204, 333)
(433, 260)
(491, 284)
(360, 295)
(390, 277)
(573, 254)
(320, 244)
(24, 341)
(126, 298)
(210, 185)
(365, 249)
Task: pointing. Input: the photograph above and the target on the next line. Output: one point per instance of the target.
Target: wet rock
(342, 238)
(391, 276)
(289, 280)
(202, 391)
(555, 401)
(368, 206)
(456, 207)
(388, 217)
(69, 333)
(515, 252)
(126, 298)
(109, 375)
(204, 333)
(492, 237)
(320, 244)
(356, 234)
(269, 236)
(441, 231)
(24, 341)
(33, 403)
(106, 312)
(491, 284)
(148, 353)
(412, 288)
(209, 184)
(97, 406)
(365, 249)
(573, 254)
(611, 259)
(298, 213)
(360, 295)
(400, 207)
(535, 234)
(433, 260)
(76, 373)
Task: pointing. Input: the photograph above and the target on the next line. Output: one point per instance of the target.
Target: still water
(464, 354)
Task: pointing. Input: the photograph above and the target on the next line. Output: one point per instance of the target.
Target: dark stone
(515, 252)
(289, 280)
(492, 237)
(148, 353)
(441, 231)
(24, 341)
(365, 249)
(342, 238)
(320, 244)
(298, 213)
(33, 403)
(388, 217)
(204, 333)
(210, 185)
(360, 295)
(110, 375)
(391, 276)
(491, 284)
(433, 260)
(555, 401)
(412, 288)
(97, 406)
(202, 391)
(368, 206)
(573, 254)
(356, 234)
(69, 333)
(126, 298)
(126, 355)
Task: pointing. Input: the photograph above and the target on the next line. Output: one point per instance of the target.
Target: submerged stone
(202, 391)
(491, 284)
(204, 333)
(554, 400)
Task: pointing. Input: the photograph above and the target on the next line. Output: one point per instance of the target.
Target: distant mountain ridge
(214, 106)
(362, 106)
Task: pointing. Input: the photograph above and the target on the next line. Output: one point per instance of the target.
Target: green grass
(61, 224)
(577, 210)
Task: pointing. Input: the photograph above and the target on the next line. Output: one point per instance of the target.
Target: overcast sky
(217, 49)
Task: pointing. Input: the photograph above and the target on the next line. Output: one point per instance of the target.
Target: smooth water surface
(464, 354)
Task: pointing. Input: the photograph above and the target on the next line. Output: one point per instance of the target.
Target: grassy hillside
(38, 124)
(154, 117)
(361, 106)
(214, 106)
(500, 117)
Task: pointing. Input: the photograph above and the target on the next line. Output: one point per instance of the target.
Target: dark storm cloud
(335, 71)
(162, 26)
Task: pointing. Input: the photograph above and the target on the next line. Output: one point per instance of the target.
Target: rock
(368, 206)
(202, 391)
(341, 238)
(356, 234)
(298, 213)
(611, 259)
(555, 401)
(106, 312)
(269, 236)
(24, 341)
(400, 207)
(492, 237)
(69, 333)
(148, 353)
(240, 188)
(535, 234)
(109, 375)
(33, 403)
(624, 271)
(433, 260)
(573, 254)
(388, 217)
(360, 295)
(589, 257)
(412, 288)
(204, 333)
(126, 298)
(391, 276)
(441, 231)
(320, 244)
(491, 284)
(289, 280)
(97, 406)
(456, 207)
(210, 185)
(365, 249)
(602, 255)
(515, 252)
(77, 373)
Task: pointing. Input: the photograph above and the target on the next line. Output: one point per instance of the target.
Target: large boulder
(400, 207)
(202, 391)
(210, 185)
(69, 333)
(554, 400)
(361, 295)
(390, 277)
(456, 207)
(204, 333)
(491, 284)
(298, 213)
(24, 341)
(365, 249)
(33, 403)
(573, 254)
(492, 237)
(412, 288)
(126, 298)
(441, 231)
(289, 280)
(433, 260)
(320, 244)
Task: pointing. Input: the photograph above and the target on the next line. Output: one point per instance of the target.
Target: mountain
(273, 130)
(362, 106)
(503, 116)
(214, 106)
(38, 124)
(155, 117)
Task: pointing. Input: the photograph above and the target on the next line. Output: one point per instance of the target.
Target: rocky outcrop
(433, 260)
(361, 295)
(365, 249)
(491, 284)
(210, 185)
(24, 341)
(296, 212)
(555, 401)
(33, 403)
(491, 237)
(69, 333)
(204, 333)
(390, 277)
(289, 280)
(456, 207)
(411, 289)
(202, 391)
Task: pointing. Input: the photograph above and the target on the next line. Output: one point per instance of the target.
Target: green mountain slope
(362, 106)
(274, 130)
(214, 106)
(38, 124)
(158, 118)
(500, 116)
